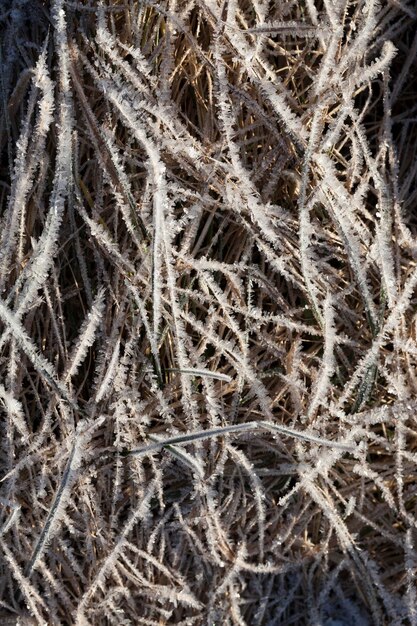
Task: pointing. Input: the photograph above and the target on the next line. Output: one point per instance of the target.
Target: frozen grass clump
(208, 313)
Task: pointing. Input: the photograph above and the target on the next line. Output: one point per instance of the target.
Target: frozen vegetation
(208, 312)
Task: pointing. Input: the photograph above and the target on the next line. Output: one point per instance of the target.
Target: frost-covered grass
(208, 312)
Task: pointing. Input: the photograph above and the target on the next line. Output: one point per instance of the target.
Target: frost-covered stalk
(207, 309)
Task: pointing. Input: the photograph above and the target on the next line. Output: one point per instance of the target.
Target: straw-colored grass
(208, 313)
